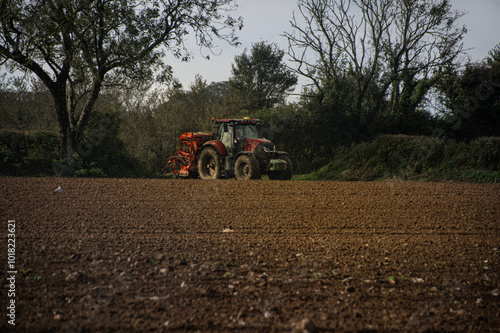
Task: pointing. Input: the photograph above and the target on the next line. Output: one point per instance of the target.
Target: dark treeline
(133, 132)
(403, 75)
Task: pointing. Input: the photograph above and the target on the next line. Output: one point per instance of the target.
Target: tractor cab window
(246, 132)
(227, 137)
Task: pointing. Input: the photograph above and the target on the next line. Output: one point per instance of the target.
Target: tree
(390, 51)
(261, 79)
(472, 98)
(26, 107)
(79, 47)
(151, 129)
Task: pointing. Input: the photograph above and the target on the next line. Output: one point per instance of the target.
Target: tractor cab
(233, 133)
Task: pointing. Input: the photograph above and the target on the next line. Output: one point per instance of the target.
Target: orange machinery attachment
(184, 162)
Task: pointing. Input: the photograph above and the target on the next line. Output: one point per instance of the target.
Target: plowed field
(134, 255)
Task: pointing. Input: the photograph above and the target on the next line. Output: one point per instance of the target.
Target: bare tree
(425, 39)
(396, 46)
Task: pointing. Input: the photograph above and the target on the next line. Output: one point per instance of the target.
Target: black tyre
(285, 174)
(209, 166)
(247, 167)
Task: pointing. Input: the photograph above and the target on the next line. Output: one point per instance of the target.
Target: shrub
(27, 153)
(415, 157)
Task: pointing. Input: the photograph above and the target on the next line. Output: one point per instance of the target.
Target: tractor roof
(243, 121)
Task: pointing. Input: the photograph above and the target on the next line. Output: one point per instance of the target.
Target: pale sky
(266, 20)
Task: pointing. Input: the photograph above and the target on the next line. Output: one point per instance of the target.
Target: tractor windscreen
(246, 132)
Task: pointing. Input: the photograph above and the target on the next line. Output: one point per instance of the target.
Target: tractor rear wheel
(209, 166)
(247, 167)
(285, 174)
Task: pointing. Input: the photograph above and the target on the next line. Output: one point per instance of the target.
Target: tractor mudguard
(243, 153)
(219, 146)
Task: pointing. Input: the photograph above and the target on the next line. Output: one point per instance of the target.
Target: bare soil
(135, 255)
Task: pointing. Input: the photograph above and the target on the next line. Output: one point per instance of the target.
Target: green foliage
(101, 153)
(26, 106)
(151, 132)
(375, 61)
(309, 131)
(78, 47)
(472, 99)
(357, 94)
(27, 153)
(410, 157)
(260, 79)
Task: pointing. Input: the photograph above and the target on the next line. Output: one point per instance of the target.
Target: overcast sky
(266, 20)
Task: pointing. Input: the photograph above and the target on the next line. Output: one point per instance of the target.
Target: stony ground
(109, 255)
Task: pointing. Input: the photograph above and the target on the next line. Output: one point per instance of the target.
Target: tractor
(235, 150)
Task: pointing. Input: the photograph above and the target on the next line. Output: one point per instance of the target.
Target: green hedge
(100, 153)
(410, 157)
(27, 153)
(386, 157)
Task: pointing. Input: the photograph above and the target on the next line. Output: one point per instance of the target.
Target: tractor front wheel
(209, 166)
(247, 167)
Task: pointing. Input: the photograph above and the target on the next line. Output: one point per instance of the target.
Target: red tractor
(235, 151)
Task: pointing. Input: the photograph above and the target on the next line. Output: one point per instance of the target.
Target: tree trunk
(66, 138)
(84, 117)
